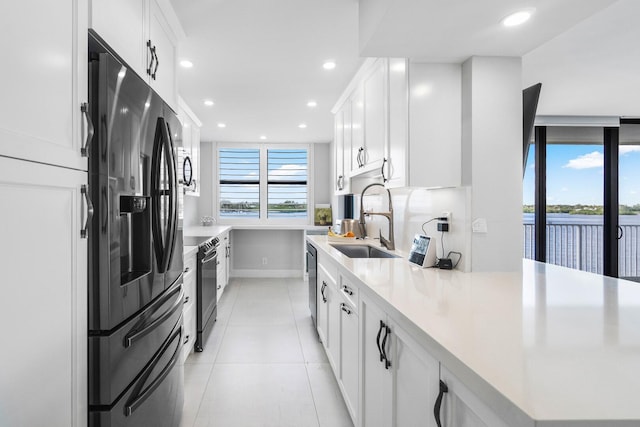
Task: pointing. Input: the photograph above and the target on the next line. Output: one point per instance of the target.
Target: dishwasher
(312, 270)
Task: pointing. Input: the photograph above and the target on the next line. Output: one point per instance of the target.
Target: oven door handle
(136, 334)
(141, 394)
(209, 258)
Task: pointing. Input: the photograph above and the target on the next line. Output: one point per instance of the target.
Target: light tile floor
(262, 365)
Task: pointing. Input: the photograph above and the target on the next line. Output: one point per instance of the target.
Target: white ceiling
(261, 61)
(454, 30)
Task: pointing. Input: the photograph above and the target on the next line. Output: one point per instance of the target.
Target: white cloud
(564, 189)
(288, 170)
(626, 149)
(587, 161)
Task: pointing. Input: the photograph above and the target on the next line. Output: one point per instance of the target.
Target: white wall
(492, 159)
(283, 250)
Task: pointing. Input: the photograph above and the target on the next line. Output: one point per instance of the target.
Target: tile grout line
(305, 362)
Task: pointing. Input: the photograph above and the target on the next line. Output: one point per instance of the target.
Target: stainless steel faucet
(389, 244)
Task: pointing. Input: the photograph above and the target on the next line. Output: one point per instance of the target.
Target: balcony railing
(580, 246)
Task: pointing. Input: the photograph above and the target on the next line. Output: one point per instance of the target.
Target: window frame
(263, 185)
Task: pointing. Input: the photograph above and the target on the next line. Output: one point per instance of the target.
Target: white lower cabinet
(386, 376)
(399, 378)
(461, 408)
(189, 306)
(349, 360)
(44, 295)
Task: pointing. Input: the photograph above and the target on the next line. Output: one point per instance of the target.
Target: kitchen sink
(363, 251)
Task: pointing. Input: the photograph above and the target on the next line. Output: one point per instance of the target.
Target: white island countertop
(559, 344)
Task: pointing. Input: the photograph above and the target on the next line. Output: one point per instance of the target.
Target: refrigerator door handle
(136, 334)
(156, 227)
(162, 241)
(172, 223)
(141, 393)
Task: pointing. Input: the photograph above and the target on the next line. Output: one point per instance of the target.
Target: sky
(575, 175)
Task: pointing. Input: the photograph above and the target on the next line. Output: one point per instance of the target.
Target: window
(287, 183)
(264, 183)
(239, 182)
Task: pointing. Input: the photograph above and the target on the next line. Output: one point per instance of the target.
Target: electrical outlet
(446, 215)
(264, 260)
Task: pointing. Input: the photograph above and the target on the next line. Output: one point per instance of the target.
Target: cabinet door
(375, 113)
(163, 78)
(122, 24)
(357, 128)
(397, 167)
(44, 80)
(415, 384)
(376, 381)
(349, 357)
(333, 328)
(435, 115)
(339, 147)
(45, 292)
(322, 319)
(195, 161)
(461, 408)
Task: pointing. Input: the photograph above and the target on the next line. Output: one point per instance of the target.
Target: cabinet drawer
(189, 337)
(189, 283)
(190, 263)
(349, 291)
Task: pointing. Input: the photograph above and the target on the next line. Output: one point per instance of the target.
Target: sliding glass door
(629, 202)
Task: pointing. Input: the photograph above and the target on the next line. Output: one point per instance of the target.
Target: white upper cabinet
(356, 151)
(123, 25)
(435, 125)
(397, 168)
(164, 42)
(375, 114)
(145, 36)
(44, 81)
(191, 146)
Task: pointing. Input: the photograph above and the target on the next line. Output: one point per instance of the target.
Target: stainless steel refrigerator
(135, 250)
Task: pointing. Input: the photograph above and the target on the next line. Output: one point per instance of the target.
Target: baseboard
(267, 273)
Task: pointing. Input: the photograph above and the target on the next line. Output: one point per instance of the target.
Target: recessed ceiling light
(312, 104)
(517, 18)
(185, 63)
(302, 125)
(263, 137)
(329, 65)
(208, 103)
(222, 125)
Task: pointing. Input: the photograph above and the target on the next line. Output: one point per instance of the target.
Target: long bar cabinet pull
(438, 406)
(387, 332)
(84, 191)
(382, 326)
(84, 150)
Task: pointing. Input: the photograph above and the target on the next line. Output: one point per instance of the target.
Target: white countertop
(188, 250)
(557, 343)
(201, 231)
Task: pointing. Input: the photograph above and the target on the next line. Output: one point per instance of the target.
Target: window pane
(629, 198)
(239, 171)
(575, 187)
(528, 204)
(287, 183)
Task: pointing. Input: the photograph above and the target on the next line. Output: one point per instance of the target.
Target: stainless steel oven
(206, 290)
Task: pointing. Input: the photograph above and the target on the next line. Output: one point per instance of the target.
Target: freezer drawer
(156, 397)
(119, 357)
